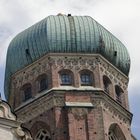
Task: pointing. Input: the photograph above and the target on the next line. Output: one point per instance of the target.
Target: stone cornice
(61, 88)
(38, 106)
(9, 123)
(56, 97)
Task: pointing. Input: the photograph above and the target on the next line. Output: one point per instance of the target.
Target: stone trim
(5, 111)
(78, 104)
(57, 98)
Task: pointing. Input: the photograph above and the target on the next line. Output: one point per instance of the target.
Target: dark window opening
(118, 97)
(115, 133)
(43, 84)
(115, 53)
(112, 136)
(66, 79)
(106, 87)
(86, 79)
(43, 135)
(119, 93)
(27, 51)
(27, 93)
(107, 84)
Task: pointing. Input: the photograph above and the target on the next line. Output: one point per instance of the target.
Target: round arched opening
(115, 133)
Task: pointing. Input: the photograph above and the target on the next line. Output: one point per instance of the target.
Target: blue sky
(122, 18)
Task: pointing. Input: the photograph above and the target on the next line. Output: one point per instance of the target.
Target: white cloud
(121, 17)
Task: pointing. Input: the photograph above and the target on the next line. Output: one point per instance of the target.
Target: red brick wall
(71, 123)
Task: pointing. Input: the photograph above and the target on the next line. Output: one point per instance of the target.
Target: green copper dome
(64, 34)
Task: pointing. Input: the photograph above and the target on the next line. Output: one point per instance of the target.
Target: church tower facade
(67, 79)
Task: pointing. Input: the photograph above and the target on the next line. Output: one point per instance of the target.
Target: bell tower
(74, 87)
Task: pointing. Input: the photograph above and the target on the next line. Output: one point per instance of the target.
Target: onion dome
(64, 34)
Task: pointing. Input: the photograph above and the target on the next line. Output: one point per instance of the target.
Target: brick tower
(67, 78)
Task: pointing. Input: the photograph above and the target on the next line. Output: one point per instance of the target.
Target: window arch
(112, 135)
(42, 82)
(40, 130)
(26, 92)
(86, 78)
(119, 93)
(115, 133)
(107, 84)
(66, 77)
(43, 135)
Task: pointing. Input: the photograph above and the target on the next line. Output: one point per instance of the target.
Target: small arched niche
(115, 132)
(119, 93)
(26, 92)
(42, 82)
(108, 88)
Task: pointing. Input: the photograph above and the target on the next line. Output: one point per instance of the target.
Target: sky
(120, 17)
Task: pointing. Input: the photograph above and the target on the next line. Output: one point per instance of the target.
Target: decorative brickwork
(76, 111)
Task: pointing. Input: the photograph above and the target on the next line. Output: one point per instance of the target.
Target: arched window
(42, 82)
(26, 92)
(119, 93)
(112, 135)
(43, 135)
(86, 78)
(107, 84)
(115, 133)
(66, 77)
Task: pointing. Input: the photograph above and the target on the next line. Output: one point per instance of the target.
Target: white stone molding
(22, 134)
(10, 128)
(5, 111)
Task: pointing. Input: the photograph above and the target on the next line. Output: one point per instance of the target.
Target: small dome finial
(60, 14)
(69, 15)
